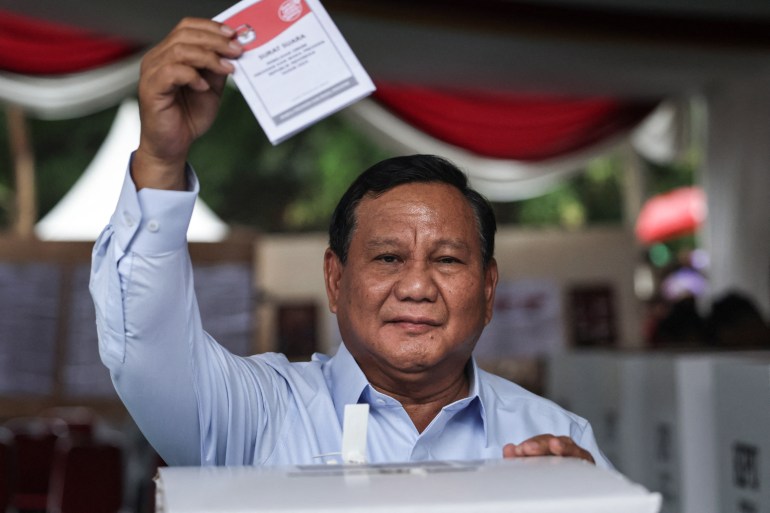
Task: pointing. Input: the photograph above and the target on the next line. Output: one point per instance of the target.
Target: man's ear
(490, 285)
(332, 277)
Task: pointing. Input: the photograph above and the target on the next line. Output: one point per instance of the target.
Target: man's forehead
(436, 196)
(432, 211)
(374, 242)
(442, 208)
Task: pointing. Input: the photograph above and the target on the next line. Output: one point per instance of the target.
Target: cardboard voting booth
(675, 422)
(586, 383)
(743, 435)
(667, 426)
(655, 416)
(530, 485)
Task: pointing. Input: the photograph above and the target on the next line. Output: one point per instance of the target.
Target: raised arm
(180, 86)
(141, 280)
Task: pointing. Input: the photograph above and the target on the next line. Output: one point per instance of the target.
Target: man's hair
(396, 171)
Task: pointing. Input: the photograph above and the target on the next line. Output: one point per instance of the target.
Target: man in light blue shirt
(409, 273)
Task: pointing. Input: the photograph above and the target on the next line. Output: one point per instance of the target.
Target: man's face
(413, 296)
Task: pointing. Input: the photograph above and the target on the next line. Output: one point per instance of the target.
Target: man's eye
(388, 259)
(448, 260)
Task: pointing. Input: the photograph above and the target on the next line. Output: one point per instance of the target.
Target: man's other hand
(180, 84)
(547, 445)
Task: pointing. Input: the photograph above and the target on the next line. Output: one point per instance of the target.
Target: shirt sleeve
(195, 402)
(585, 438)
(146, 314)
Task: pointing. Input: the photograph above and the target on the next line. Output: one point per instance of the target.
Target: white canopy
(86, 209)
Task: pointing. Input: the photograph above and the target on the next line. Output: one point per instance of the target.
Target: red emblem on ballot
(290, 10)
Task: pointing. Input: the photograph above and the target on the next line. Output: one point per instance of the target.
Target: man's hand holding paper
(179, 90)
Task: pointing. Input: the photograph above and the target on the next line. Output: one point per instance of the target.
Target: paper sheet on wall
(527, 321)
(296, 68)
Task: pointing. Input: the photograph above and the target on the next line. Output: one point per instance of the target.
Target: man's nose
(416, 283)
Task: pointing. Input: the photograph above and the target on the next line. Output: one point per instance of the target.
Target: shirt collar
(348, 383)
(477, 392)
(347, 380)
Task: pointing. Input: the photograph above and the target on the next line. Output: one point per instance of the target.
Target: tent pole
(634, 185)
(25, 213)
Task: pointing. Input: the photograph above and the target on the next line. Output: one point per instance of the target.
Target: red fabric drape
(34, 47)
(511, 126)
(498, 125)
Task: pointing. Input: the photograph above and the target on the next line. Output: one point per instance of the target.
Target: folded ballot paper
(531, 485)
(296, 68)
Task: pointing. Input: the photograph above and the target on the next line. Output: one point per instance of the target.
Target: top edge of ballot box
(527, 485)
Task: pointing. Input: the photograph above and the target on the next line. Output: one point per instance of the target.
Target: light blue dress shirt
(198, 404)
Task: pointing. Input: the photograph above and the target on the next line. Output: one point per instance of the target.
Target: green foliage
(561, 207)
(62, 150)
(592, 197)
(665, 178)
(294, 186)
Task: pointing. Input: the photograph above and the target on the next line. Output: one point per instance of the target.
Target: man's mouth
(415, 323)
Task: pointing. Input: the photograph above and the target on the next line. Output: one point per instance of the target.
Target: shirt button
(153, 225)
(128, 219)
(380, 401)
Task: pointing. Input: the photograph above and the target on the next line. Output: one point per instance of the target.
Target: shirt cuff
(153, 221)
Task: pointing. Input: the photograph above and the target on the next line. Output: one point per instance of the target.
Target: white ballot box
(743, 435)
(530, 485)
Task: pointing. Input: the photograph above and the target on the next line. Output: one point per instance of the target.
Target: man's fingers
(191, 55)
(565, 446)
(197, 43)
(536, 446)
(560, 446)
(190, 66)
(547, 445)
(180, 84)
(204, 24)
(213, 41)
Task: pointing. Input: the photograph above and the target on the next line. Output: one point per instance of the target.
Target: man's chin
(415, 359)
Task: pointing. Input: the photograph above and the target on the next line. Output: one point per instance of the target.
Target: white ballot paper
(527, 485)
(296, 68)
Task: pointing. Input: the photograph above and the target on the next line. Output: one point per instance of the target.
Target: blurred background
(624, 145)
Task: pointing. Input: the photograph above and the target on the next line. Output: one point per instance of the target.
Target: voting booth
(670, 413)
(528, 485)
(667, 427)
(743, 434)
(665, 412)
(586, 383)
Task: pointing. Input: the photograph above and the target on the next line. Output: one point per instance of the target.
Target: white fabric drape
(663, 135)
(497, 179)
(71, 96)
(737, 184)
